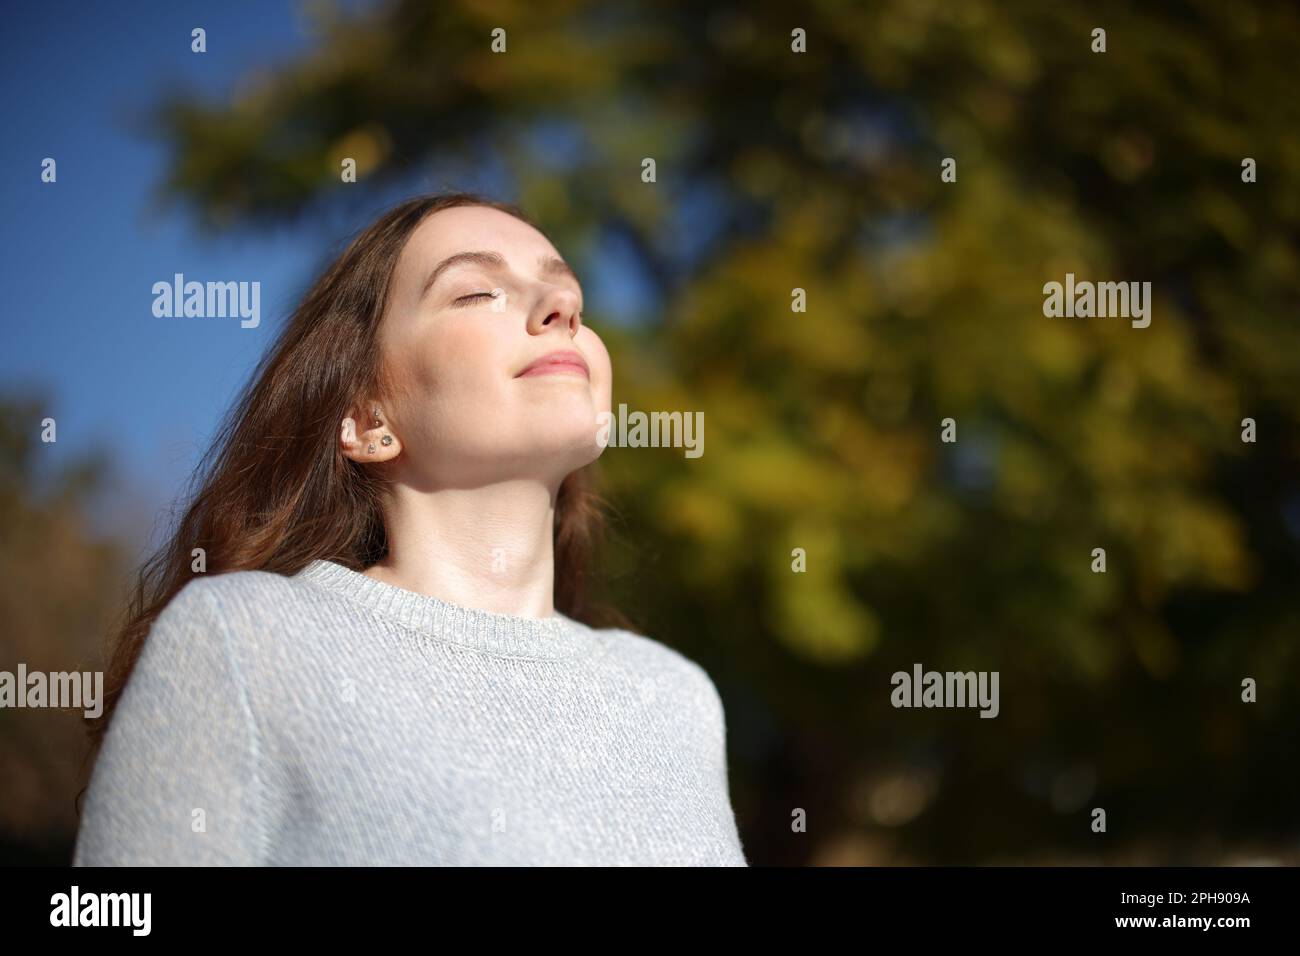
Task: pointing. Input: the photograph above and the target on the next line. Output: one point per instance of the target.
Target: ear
(368, 442)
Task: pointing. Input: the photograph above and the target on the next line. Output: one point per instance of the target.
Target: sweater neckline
(505, 635)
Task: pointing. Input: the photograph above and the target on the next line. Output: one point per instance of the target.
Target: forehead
(466, 228)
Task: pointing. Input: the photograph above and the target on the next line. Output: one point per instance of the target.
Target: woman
(380, 654)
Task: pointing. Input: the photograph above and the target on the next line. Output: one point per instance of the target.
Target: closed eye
(486, 295)
(476, 295)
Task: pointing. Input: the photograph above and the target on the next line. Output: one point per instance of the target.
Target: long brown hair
(275, 491)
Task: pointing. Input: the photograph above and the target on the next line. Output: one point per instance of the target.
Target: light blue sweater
(332, 719)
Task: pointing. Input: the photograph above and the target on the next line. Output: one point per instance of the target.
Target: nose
(557, 309)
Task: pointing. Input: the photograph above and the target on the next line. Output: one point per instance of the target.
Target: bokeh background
(775, 171)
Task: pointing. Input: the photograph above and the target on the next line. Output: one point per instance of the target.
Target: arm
(177, 780)
(718, 765)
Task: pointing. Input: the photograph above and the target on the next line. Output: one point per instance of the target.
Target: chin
(562, 420)
(574, 451)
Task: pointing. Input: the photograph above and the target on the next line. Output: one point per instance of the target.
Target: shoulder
(656, 661)
(234, 606)
(216, 626)
(232, 592)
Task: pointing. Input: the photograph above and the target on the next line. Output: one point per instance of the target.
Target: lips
(564, 362)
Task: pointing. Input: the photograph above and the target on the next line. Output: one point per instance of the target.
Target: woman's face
(478, 297)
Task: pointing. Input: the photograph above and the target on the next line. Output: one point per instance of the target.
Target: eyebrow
(549, 265)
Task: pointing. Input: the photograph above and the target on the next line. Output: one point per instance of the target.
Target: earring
(371, 449)
(387, 439)
(375, 414)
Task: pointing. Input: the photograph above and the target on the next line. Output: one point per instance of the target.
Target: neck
(488, 547)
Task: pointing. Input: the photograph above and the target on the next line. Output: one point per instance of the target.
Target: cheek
(602, 373)
(462, 360)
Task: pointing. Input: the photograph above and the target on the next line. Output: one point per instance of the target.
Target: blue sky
(81, 254)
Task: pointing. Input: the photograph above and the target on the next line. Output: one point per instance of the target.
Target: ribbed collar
(505, 635)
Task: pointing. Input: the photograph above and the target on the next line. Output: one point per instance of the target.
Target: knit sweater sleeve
(718, 717)
(718, 753)
(177, 781)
